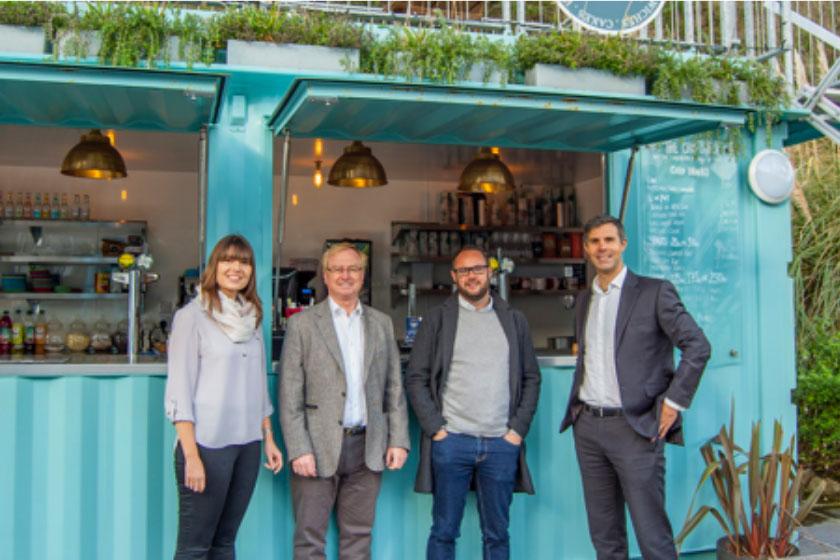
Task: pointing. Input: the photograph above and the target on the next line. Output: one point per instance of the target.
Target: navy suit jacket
(651, 322)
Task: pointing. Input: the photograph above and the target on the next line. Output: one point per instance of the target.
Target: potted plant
(572, 60)
(22, 25)
(278, 38)
(758, 495)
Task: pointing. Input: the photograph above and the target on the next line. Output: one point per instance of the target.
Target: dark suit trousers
(352, 491)
(618, 466)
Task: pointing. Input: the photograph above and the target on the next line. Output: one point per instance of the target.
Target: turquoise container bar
(87, 466)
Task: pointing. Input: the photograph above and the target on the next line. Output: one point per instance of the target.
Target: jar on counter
(100, 337)
(77, 338)
(120, 337)
(55, 337)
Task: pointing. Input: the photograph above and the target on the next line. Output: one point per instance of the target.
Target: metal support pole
(688, 17)
(520, 15)
(787, 34)
(133, 314)
(627, 178)
(202, 199)
(506, 15)
(280, 213)
(749, 28)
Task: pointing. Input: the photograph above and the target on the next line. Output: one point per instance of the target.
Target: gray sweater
(476, 398)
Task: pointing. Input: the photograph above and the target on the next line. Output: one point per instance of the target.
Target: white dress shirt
(600, 381)
(351, 340)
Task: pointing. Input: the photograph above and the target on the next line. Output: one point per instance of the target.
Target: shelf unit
(426, 270)
(56, 259)
(56, 296)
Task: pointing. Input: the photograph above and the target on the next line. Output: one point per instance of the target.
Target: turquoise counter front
(87, 464)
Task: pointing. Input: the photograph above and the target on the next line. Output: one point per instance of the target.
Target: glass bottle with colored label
(17, 332)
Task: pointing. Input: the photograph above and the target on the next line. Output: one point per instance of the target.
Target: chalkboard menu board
(689, 225)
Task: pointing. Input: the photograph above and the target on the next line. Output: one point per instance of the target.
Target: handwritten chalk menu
(689, 225)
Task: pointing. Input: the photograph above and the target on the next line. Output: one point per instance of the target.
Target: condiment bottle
(5, 334)
(17, 332)
(40, 332)
(29, 333)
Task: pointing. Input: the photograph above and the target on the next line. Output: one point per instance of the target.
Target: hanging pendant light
(94, 158)
(357, 168)
(486, 174)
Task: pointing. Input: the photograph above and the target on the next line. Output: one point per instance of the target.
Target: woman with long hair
(217, 397)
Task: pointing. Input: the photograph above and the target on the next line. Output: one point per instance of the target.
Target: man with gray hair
(473, 382)
(342, 410)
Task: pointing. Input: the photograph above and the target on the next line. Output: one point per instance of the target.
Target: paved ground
(822, 533)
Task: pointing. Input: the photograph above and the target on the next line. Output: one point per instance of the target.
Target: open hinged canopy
(512, 117)
(36, 93)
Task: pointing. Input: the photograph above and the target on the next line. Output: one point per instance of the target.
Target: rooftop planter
(278, 38)
(22, 25)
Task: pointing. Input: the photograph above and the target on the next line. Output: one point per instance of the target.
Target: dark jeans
(492, 463)
(618, 466)
(208, 522)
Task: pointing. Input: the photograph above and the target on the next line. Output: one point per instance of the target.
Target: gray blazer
(312, 389)
(428, 370)
(651, 321)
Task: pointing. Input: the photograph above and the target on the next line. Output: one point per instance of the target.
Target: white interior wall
(161, 187)
(416, 175)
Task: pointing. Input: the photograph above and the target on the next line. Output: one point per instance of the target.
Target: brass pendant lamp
(357, 168)
(94, 158)
(486, 174)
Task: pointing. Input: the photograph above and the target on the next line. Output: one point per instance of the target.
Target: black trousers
(618, 466)
(208, 521)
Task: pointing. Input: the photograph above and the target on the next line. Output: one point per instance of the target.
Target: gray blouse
(219, 385)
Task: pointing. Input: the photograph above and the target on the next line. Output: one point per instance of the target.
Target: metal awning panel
(95, 97)
(513, 117)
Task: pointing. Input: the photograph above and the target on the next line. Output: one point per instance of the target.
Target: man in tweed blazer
(342, 410)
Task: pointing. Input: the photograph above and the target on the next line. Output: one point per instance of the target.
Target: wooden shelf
(56, 259)
(399, 257)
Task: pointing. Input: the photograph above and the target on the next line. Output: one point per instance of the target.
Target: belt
(354, 430)
(602, 411)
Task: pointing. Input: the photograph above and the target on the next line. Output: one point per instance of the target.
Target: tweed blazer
(312, 389)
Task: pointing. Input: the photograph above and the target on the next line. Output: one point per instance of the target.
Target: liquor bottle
(5, 334)
(76, 209)
(19, 206)
(2, 204)
(36, 209)
(27, 207)
(65, 208)
(560, 210)
(572, 210)
(55, 209)
(84, 213)
(45, 206)
(9, 209)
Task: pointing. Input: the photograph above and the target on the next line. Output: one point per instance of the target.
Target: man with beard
(473, 381)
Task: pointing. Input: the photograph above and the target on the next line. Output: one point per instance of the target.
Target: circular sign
(771, 176)
(612, 17)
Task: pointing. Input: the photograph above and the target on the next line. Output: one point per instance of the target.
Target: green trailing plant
(758, 506)
(438, 52)
(29, 14)
(277, 25)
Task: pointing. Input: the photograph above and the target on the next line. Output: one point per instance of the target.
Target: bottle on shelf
(45, 206)
(9, 208)
(41, 332)
(19, 206)
(84, 213)
(5, 334)
(55, 208)
(2, 204)
(17, 332)
(65, 208)
(76, 209)
(27, 207)
(572, 209)
(560, 210)
(29, 333)
(36, 209)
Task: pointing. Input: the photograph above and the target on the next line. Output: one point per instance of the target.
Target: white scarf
(237, 319)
